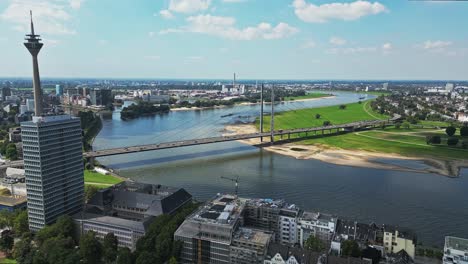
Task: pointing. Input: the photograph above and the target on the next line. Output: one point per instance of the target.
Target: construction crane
(236, 180)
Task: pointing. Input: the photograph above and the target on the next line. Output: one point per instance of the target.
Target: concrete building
(6, 91)
(214, 234)
(30, 105)
(53, 163)
(128, 208)
(395, 240)
(14, 135)
(264, 214)
(288, 225)
(318, 225)
(455, 250)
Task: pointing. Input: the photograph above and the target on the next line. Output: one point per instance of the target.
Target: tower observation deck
(34, 45)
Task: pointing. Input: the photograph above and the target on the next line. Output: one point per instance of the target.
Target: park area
(406, 139)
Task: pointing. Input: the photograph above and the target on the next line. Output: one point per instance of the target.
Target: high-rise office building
(58, 90)
(52, 153)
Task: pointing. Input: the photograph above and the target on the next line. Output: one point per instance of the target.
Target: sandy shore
(354, 158)
(246, 103)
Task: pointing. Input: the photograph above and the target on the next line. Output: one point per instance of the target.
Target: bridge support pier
(91, 161)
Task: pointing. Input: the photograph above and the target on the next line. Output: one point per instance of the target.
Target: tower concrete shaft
(34, 45)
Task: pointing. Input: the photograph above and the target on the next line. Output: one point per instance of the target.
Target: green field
(8, 261)
(306, 117)
(100, 180)
(409, 142)
(307, 96)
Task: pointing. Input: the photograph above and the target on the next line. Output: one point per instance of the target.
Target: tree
(146, 257)
(314, 244)
(23, 251)
(6, 219)
(90, 191)
(350, 248)
(432, 139)
(398, 125)
(110, 246)
(90, 248)
(464, 131)
(406, 125)
(452, 141)
(173, 260)
(342, 107)
(11, 152)
(317, 116)
(6, 243)
(124, 256)
(20, 223)
(450, 131)
(326, 123)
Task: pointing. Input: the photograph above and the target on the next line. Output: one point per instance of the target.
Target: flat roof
(252, 235)
(224, 209)
(456, 243)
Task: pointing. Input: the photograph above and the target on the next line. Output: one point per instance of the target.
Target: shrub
(450, 131)
(452, 141)
(433, 140)
(342, 107)
(317, 116)
(326, 123)
(464, 131)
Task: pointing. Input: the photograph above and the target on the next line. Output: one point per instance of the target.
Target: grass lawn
(100, 180)
(307, 96)
(409, 142)
(8, 261)
(306, 117)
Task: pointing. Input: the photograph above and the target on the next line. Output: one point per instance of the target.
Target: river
(430, 204)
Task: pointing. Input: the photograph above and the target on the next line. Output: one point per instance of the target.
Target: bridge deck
(193, 142)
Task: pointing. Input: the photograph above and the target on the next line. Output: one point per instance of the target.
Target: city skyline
(202, 39)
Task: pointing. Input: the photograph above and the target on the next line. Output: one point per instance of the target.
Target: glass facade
(53, 163)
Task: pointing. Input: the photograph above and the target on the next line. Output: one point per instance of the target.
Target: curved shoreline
(247, 103)
(352, 158)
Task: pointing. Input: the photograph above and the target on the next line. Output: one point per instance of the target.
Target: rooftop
(252, 235)
(317, 216)
(224, 210)
(456, 243)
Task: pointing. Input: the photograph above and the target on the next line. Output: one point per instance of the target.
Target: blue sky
(258, 39)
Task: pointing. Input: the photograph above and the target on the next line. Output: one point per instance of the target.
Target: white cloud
(188, 6)
(234, 1)
(387, 46)
(340, 11)
(151, 34)
(337, 41)
(50, 17)
(50, 42)
(166, 14)
(309, 44)
(225, 27)
(351, 50)
(76, 4)
(434, 45)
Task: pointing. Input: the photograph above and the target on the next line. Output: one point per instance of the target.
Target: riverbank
(249, 103)
(355, 158)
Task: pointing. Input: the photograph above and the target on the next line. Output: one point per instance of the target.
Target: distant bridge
(349, 127)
